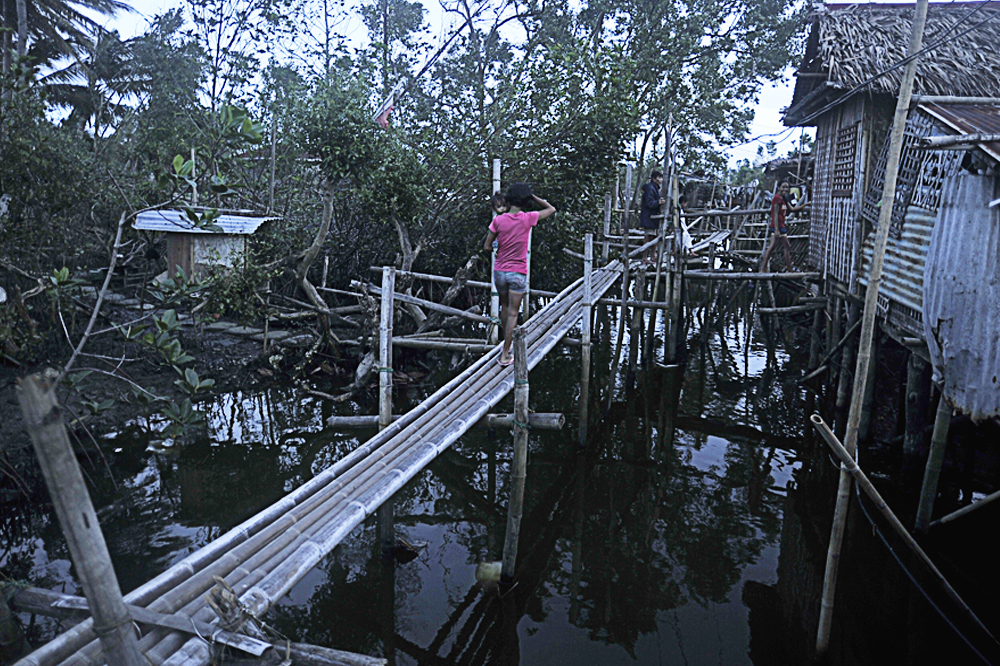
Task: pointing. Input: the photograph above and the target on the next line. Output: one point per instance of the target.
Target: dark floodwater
(691, 528)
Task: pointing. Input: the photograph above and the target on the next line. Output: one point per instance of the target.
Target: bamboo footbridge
(264, 557)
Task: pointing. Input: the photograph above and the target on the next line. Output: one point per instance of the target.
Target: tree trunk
(409, 256)
(457, 284)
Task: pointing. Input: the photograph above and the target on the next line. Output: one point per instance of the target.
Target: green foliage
(191, 383)
(337, 127)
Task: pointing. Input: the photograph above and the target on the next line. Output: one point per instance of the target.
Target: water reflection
(639, 547)
(689, 528)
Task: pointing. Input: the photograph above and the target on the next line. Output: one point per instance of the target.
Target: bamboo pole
(867, 403)
(494, 329)
(865, 484)
(935, 458)
(649, 353)
(385, 349)
(656, 307)
(992, 497)
(635, 329)
(430, 305)
(607, 229)
(585, 350)
(676, 271)
(868, 325)
(793, 309)
(112, 621)
(519, 468)
(467, 346)
(67, 607)
(538, 421)
(724, 275)
(632, 303)
(616, 359)
(430, 277)
(449, 280)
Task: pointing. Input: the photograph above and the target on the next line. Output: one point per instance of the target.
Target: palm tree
(61, 24)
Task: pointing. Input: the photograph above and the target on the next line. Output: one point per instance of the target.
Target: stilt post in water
(868, 322)
(588, 298)
(607, 229)
(918, 384)
(939, 440)
(385, 348)
(519, 468)
(112, 621)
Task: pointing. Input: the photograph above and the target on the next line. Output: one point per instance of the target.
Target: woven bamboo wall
(841, 167)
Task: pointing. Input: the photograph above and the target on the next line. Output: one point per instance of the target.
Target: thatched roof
(848, 44)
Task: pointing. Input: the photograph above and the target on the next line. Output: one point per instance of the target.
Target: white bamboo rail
(268, 554)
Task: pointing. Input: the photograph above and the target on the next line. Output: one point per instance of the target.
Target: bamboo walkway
(263, 558)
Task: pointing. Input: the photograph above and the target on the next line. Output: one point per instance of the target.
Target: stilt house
(938, 293)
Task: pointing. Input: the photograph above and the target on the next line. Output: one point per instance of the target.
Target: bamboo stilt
(494, 331)
(918, 386)
(519, 467)
(385, 348)
(626, 277)
(635, 328)
(585, 350)
(935, 458)
(607, 229)
(868, 320)
(112, 621)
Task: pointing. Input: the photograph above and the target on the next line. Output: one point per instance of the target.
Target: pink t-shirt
(512, 231)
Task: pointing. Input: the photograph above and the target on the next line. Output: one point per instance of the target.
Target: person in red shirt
(510, 272)
(779, 210)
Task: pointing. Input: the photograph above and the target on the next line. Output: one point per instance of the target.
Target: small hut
(198, 250)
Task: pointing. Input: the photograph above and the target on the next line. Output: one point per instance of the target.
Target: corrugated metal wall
(905, 257)
(961, 295)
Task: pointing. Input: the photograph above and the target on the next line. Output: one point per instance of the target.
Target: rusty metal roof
(970, 119)
(961, 293)
(177, 221)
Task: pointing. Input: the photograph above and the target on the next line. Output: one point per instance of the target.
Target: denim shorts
(510, 281)
(782, 229)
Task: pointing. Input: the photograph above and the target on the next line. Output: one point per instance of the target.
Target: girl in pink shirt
(511, 231)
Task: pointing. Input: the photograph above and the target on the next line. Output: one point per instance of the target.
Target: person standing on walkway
(780, 207)
(511, 231)
(649, 206)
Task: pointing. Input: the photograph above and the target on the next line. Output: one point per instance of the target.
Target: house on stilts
(940, 285)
